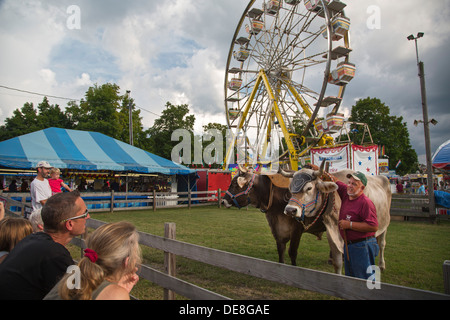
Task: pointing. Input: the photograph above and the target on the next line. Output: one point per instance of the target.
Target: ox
(313, 197)
(270, 194)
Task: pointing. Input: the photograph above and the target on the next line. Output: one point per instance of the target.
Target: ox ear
(242, 181)
(327, 187)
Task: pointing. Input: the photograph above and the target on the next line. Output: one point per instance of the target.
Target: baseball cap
(358, 176)
(43, 164)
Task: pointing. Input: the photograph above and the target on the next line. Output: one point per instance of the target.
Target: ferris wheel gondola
(288, 60)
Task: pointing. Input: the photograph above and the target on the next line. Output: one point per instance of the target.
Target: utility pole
(130, 117)
(426, 127)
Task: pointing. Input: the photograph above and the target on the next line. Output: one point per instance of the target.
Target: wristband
(351, 225)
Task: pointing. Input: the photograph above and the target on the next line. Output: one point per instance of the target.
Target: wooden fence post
(189, 199)
(24, 200)
(170, 259)
(111, 210)
(446, 269)
(219, 197)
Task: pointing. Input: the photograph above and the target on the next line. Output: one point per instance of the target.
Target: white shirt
(40, 190)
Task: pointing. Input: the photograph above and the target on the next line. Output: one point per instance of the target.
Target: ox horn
(242, 169)
(286, 174)
(319, 173)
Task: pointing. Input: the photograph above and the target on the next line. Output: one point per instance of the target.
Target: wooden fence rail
(415, 205)
(322, 282)
(121, 201)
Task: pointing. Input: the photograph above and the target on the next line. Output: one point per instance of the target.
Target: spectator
(108, 268)
(24, 186)
(39, 261)
(13, 186)
(408, 187)
(36, 221)
(12, 230)
(421, 189)
(399, 187)
(55, 182)
(40, 189)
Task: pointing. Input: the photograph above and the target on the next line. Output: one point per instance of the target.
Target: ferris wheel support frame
(262, 77)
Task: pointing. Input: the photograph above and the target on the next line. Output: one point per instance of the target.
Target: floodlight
(411, 37)
(420, 35)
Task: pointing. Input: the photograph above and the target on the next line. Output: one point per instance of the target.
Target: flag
(381, 151)
(398, 163)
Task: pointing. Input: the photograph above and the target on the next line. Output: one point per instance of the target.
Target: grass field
(415, 251)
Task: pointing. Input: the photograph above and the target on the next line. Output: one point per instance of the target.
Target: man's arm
(357, 226)
(2, 210)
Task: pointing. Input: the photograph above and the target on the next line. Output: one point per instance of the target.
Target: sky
(176, 51)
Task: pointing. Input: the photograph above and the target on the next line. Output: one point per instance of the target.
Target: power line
(63, 98)
(38, 94)
(147, 111)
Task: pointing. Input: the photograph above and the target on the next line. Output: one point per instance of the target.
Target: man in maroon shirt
(358, 222)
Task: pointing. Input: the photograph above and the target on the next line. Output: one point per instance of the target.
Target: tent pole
(126, 188)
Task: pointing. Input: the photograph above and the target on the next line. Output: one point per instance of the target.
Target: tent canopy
(441, 158)
(82, 150)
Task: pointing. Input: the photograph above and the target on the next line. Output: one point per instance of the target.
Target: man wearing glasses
(39, 261)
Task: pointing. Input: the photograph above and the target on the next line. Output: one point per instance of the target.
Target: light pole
(426, 128)
(130, 117)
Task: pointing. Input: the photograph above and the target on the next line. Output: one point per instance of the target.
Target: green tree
(98, 111)
(386, 130)
(104, 110)
(29, 119)
(52, 116)
(160, 135)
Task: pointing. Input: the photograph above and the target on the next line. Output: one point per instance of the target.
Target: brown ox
(313, 197)
(260, 191)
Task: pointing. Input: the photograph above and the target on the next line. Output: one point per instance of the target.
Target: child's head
(55, 173)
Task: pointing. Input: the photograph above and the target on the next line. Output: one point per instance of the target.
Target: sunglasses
(84, 215)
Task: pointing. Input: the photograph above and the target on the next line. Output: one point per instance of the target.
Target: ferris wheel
(288, 64)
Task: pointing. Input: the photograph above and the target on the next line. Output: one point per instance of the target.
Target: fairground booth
(90, 162)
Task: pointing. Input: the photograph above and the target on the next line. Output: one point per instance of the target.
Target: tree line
(103, 109)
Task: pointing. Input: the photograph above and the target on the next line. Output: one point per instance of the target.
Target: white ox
(315, 197)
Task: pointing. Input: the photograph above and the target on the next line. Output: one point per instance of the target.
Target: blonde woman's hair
(12, 230)
(113, 243)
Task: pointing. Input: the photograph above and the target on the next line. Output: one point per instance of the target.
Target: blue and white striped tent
(82, 150)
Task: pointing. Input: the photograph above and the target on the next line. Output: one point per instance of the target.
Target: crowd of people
(35, 263)
(419, 187)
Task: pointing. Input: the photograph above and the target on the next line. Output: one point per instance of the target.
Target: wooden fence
(317, 281)
(121, 201)
(415, 205)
